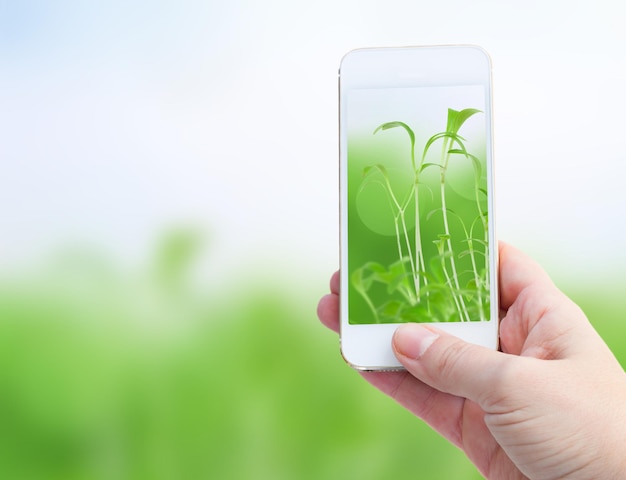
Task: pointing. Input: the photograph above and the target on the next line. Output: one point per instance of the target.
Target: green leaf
(391, 309)
(398, 266)
(457, 119)
(459, 218)
(389, 125)
(463, 151)
(432, 212)
(397, 282)
(362, 284)
(372, 169)
(377, 272)
(452, 114)
(432, 140)
(477, 166)
(451, 135)
(374, 267)
(481, 242)
(417, 313)
(459, 151)
(397, 275)
(426, 165)
(357, 279)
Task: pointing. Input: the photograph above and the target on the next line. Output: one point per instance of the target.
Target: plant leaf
(389, 125)
(372, 169)
(456, 150)
(392, 309)
(457, 119)
(452, 114)
(360, 278)
(426, 165)
(432, 140)
(375, 268)
(452, 135)
(432, 212)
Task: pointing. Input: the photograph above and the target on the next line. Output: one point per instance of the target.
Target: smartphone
(416, 189)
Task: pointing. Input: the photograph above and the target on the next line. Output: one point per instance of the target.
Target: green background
(131, 348)
(108, 373)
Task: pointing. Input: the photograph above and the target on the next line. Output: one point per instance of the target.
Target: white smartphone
(416, 188)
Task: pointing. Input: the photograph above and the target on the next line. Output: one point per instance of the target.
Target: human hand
(552, 404)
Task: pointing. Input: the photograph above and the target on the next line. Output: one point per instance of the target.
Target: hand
(552, 404)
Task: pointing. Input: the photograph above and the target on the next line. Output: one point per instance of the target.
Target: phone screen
(417, 204)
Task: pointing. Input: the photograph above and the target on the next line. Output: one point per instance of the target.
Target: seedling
(441, 270)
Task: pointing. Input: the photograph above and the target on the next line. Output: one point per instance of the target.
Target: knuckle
(451, 359)
(505, 383)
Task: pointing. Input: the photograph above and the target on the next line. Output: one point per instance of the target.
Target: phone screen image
(418, 204)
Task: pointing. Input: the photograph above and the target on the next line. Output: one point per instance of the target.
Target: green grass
(106, 374)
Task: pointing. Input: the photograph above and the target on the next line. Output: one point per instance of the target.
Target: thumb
(448, 363)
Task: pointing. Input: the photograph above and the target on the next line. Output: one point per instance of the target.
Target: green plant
(440, 272)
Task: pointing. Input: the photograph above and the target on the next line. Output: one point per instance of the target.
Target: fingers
(449, 364)
(334, 283)
(328, 306)
(539, 324)
(540, 321)
(518, 271)
(328, 311)
(544, 323)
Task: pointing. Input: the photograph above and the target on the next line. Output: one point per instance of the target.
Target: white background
(121, 119)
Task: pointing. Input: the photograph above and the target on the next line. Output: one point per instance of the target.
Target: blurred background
(169, 220)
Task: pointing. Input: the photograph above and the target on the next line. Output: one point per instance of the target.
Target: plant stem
(372, 307)
(477, 279)
(400, 214)
(419, 253)
(485, 233)
(442, 256)
(456, 293)
(401, 255)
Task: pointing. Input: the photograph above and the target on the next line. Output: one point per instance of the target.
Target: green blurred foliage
(106, 374)
(604, 303)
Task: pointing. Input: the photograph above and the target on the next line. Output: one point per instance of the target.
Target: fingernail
(412, 340)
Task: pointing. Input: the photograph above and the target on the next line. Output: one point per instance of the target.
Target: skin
(550, 405)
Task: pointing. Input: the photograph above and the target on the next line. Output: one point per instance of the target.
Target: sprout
(441, 272)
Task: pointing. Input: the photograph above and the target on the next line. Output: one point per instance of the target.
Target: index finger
(517, 272)
(334, 283)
